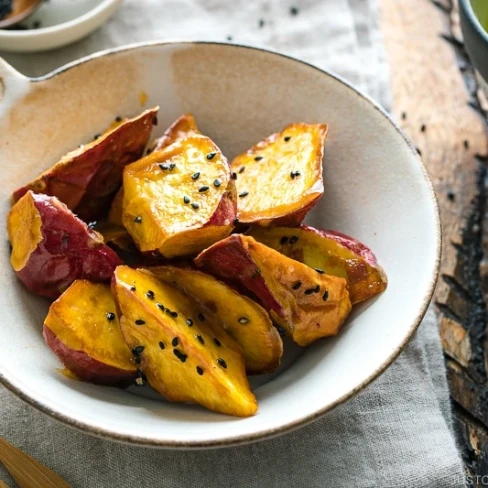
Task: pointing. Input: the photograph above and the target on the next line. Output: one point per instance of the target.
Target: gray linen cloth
(396, 433)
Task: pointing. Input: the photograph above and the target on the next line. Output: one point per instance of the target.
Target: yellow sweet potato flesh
(186, 355)
(179, 200)
(282, 176)
(244, 320)
(320, 249)
(178, 130)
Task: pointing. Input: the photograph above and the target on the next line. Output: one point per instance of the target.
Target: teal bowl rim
(473, 18)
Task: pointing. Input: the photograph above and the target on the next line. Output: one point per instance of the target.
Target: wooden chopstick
(26, 471)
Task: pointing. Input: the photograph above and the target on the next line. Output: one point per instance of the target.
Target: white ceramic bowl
(61, 22)
(376, 189)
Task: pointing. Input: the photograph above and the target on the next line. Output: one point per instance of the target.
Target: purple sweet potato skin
(68, 251)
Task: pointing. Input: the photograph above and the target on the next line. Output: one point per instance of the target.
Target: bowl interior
(375, 189)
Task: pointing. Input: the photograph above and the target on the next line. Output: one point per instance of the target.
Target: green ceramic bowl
(475, 35)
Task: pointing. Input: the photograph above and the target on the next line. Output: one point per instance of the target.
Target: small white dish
(58, 23)
(376, 189)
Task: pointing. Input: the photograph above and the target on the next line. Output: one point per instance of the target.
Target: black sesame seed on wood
(222, 363)
(243, 194)
(137, 350)
(217, 183)
(297, 285)
(189, 322)
(287, 138)
(160, 306)
(182, 357)
(293, 239)
(163, 166)
(217, 342)
(325, 296)
(233, 175)
(161, 344)
(138, 219)
(203, 188)
(200, 339)
(186, 199)
(201, 317)
(110, 316)
(150, 295)
(243, 320)
(211, 155)
(175, 342)
(309, 291)
(140, 322)
(199, 370)
(283, 240)
(195, 176)
(195, 205)
(258, 158)
(242, 169)
(320, 271)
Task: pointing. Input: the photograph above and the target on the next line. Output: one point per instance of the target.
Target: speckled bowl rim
(303, 420)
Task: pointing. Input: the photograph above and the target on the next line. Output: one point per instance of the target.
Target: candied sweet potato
(179, 129)
(279, 179)
(244, 320)
(308, 304)
(180, 348)
(83, 330)
(179, 200)
(87, 178)
(51, 247)
(334, 253)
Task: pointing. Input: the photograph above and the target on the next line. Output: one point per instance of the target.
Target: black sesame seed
(160, 306)
(132, 288)
(175, 342)
(283, 240)
(217, 183)
(281, 330)
(211, 155)
(293, 11)
(320, 271)
(118, 118)
(233, 175)
(229, 38)
(309, 291)
(110, 316)
(189, 322)
(261, 23)
(199, 370)
(186, 199)
(140, 322)
(297, 285)
(182, 357)
(201, 317)
(451, 196)
(419, 151)
(243, 194)
(423, 127)
(294, 174)
(258, 158)
(242, 169)
(287, 138)
(404, 115)
(203, 188)
(96, 136)
(200, 339)
(174, 314)
(137, 350)
(138, 219)
(195, 205)
(161, 344)
(325, 296)
(222, 363)
(195, 176)
(243, 320)
(168, 311)
(317, 289)
(163, 166)
(150, 295)
(172, 166)
(466, 144)
(293, 239)
(217, 342)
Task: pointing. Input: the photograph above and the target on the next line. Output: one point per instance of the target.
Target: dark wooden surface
(438, 103)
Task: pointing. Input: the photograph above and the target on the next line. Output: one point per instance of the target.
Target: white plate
(376, 189)
(61, 22)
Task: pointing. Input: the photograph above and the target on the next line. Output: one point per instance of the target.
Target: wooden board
(437, 102)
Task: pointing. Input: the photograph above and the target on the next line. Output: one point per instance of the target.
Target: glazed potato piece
(180, 200)
(87, 178)
(83, 330)
(308, 304)
(178, 130)
(334, 253)
(280, 178)
(243, 319)
(51, 247)
(183, 352)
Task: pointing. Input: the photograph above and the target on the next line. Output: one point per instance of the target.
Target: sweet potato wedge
(87, 178)
(243, 319)
(179, 200)
(51, 247)
(335, 253)
(308, 304)
(182, 351)
(83, 330)
(178, 130)
(279, 179)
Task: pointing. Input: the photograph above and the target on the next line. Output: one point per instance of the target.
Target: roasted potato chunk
(179, 200)
(334, 253)
(51, 247)
(178, 130)
(308, 304)
(280, 178)
(184, 353)
(83, 330)
(243, 319)
(87, 178)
